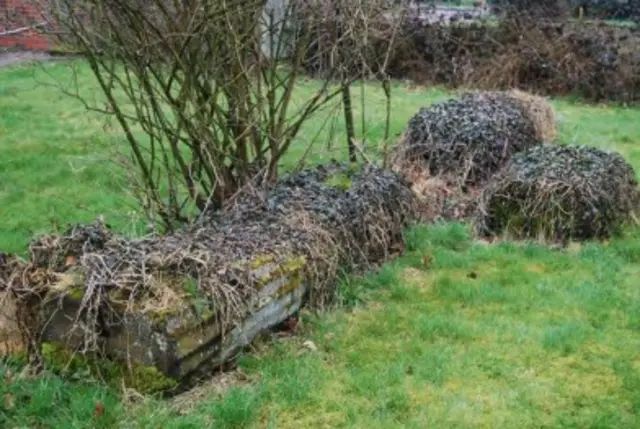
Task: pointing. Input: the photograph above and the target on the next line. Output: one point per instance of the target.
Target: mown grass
(454, 334)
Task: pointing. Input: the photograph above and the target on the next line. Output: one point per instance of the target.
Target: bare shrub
(531, 9)
(205, 90)
(544, 53)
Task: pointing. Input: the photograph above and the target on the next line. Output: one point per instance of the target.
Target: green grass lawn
(479, 336)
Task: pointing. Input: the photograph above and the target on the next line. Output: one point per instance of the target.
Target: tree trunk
(348, 120)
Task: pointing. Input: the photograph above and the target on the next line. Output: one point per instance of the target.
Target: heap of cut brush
(193, 299)
(451, 149)
(467, 139)
(557, 193)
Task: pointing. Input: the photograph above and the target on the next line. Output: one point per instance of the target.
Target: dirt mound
(560, 193)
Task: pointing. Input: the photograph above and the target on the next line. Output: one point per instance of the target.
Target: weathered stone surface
(11, 341)
(181, 341)
(60, 315)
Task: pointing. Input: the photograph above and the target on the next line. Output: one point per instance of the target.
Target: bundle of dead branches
(558, 193)
(594, 60)
(438, 198)
(273, 242)
(466, 139)
(334, 215)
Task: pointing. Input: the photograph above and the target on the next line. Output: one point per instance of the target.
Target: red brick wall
(18, 14)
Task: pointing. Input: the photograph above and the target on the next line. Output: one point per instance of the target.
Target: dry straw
(538, 110)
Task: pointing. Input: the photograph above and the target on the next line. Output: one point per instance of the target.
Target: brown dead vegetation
(596, 61)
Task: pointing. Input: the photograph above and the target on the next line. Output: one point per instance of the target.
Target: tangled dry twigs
(557, 193)
(468, 139)
(175, 302)
(538, 110)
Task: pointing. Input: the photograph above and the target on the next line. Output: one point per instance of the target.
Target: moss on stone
(261, 260)
(188, 296)
(289, 267)
(293, 264)
(294, 282)
(159, 317)
(190, 334)
(142, 378)
(292, 268)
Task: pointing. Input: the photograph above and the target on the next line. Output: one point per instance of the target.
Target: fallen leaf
(71, 260)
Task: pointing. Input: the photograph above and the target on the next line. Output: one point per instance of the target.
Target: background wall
(20, 21)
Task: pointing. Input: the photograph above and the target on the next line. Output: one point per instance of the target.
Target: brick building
(21, 25)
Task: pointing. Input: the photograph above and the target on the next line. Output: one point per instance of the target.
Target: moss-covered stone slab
(60, 312)
(179, 340)
(185, 303)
